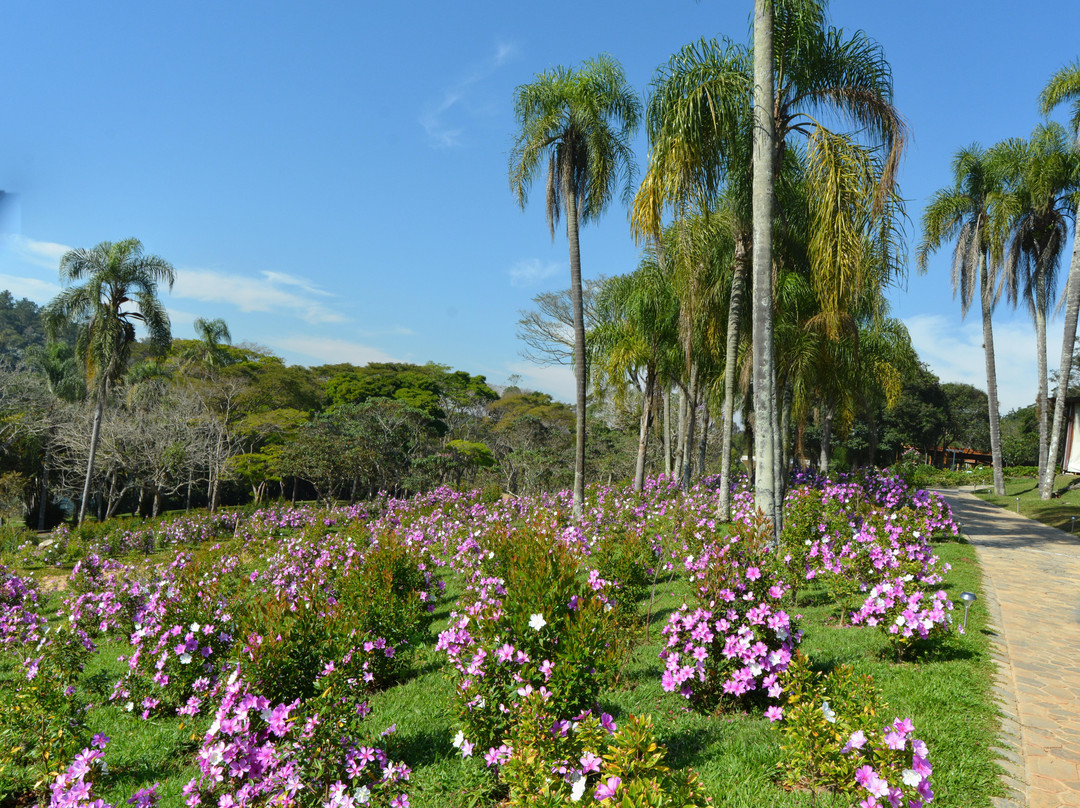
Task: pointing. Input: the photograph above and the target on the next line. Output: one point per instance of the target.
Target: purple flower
(608, 723)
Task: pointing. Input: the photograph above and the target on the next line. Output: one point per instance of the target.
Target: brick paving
(1031, 587)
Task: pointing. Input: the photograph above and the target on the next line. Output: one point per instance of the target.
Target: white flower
(537, 622)
(234, 674)
(185, 658)
(362, 795)
(129, 706)
(194, 627)
(912, 778)
(578, 789)
(830, 713)
(459, 739)
(215, 754)
(899, 619)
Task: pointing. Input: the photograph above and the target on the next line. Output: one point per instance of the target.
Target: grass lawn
(1058, 512)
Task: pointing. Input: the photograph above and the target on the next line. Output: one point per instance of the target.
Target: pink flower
(856, 741)
(608, 789)
(590, 762)
(774, 713)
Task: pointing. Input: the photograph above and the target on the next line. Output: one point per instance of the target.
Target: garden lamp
(968, 598)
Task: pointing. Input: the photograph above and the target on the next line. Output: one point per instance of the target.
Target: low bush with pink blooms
(737, 639)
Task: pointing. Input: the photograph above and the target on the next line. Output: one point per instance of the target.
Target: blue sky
(330, 177)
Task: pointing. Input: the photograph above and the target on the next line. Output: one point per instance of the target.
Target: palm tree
(972, 213)
(1042, 175)
(705, 114)
(580, 123)
(636, 340)
(116, 275)
(698, 122)
(1064, 86)
(208, 351)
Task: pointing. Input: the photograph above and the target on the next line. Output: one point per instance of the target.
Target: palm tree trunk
(1068, 343)
(667, 429)
(991, 380)
(764, 139)
(1040, 360)
(691, 427)
(680, 446)
(703, 441)
(738, 285)
(826, 439)
(95, 435)
(643, 432)
(570, 197)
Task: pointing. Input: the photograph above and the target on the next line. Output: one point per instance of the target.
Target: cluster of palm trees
(1008, 212)
(771, 171)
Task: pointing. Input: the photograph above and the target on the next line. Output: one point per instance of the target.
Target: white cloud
(253, 294)
(332, 351)
(292, 280)
(434, 117)
(557, 381)
(44, 254)
(954, 351)
(532, 270)
(37, 290)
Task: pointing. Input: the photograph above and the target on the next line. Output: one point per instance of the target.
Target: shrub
(257, 752)
(820, 713)
(558, 763)
(738, 639)
(907, 616)
(529, 618)
(44, 720)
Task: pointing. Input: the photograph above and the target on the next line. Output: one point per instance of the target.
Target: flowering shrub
(558, 763)
(832, 739)
(183, 634)
(819, 714)
(73, 788)
(20, 624)
(906, 614)
(529, 621)
(43, 720)
(256, 752)
(895, 767)
(738, 639)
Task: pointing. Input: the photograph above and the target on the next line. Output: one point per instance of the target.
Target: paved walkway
(1031, 587)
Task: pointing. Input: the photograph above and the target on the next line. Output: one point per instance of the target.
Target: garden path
(1031, 588)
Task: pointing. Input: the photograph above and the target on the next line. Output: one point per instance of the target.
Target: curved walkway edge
(1031, 588)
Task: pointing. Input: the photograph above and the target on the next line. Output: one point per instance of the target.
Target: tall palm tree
(1064, 87)
(1043, 176)
(580, 122)
(972, 213)
(119, 289)
(700, 158)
